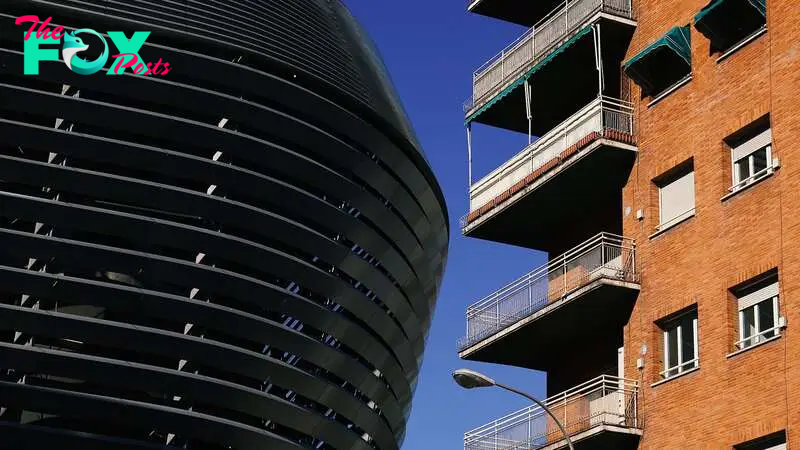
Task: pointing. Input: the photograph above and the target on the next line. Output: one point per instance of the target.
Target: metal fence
(605, 255)
(537, 43)
(604, 113)
(605, 400)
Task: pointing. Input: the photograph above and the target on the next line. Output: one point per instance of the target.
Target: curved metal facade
(244, 253)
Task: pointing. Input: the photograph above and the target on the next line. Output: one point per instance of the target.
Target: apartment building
(659, 179)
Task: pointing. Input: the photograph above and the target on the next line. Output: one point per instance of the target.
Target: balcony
(600, 414)
(561, 188)
(576, 304)
(497, 93)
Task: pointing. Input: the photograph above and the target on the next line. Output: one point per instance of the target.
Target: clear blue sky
(431, 48)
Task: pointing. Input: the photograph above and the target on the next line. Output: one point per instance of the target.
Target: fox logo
(74, 45)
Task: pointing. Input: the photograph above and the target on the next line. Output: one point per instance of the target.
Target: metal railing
(759, 337)
(769, 170)
(605, 400)
(605, 255)
(604, 113)
(679, 368)
(536, 43)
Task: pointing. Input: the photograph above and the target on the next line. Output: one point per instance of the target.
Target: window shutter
(758, 296)
(677, 197)
(757, 142)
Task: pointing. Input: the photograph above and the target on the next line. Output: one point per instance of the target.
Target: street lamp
(469, 379)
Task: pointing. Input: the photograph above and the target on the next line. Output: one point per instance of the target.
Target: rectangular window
(680, 344)
(676, 198)
(752, 160)
(759, 313)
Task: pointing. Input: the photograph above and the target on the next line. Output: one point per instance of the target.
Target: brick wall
(729, 399)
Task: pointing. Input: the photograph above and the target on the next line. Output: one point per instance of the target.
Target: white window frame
(766, 297)
(663, 225)
(744, 153)
(683, 365)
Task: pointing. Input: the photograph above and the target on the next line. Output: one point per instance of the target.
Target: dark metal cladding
(243, 253)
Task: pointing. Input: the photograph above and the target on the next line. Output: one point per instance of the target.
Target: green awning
(726, 22)
(521, 80)
(678, 39)
(662, 63)
(759, 5)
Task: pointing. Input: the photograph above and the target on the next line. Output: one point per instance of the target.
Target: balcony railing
(603, 256)
(597, 119)
(605, 400)
(537, 43)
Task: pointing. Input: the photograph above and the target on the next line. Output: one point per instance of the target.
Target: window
(774, 441)
(752, 160)
(676, 197)
(680, 343)
(759, 313)
(664, 65)
(730, 24)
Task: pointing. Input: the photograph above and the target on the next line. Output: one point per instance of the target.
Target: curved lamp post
(469, 379)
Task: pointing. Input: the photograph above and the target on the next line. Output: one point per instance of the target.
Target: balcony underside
(561, 86)
(523, 13)
(586, 325)
(565, 205)
(603, 437)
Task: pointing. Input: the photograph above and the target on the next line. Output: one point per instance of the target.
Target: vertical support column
(598, 60)
(529, 109)
(621, 388)
(530, 419)
(469, 156)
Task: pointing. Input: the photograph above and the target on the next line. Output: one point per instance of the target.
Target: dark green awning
(678, 39)
(726, 22)
(663, 62)
(521, 80)
(759, 5)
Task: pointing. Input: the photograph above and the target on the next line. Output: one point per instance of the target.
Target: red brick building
(660, 179)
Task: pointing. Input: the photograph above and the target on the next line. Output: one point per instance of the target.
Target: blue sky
(431, 48)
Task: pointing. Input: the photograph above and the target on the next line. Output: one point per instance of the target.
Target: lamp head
(469, 379)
